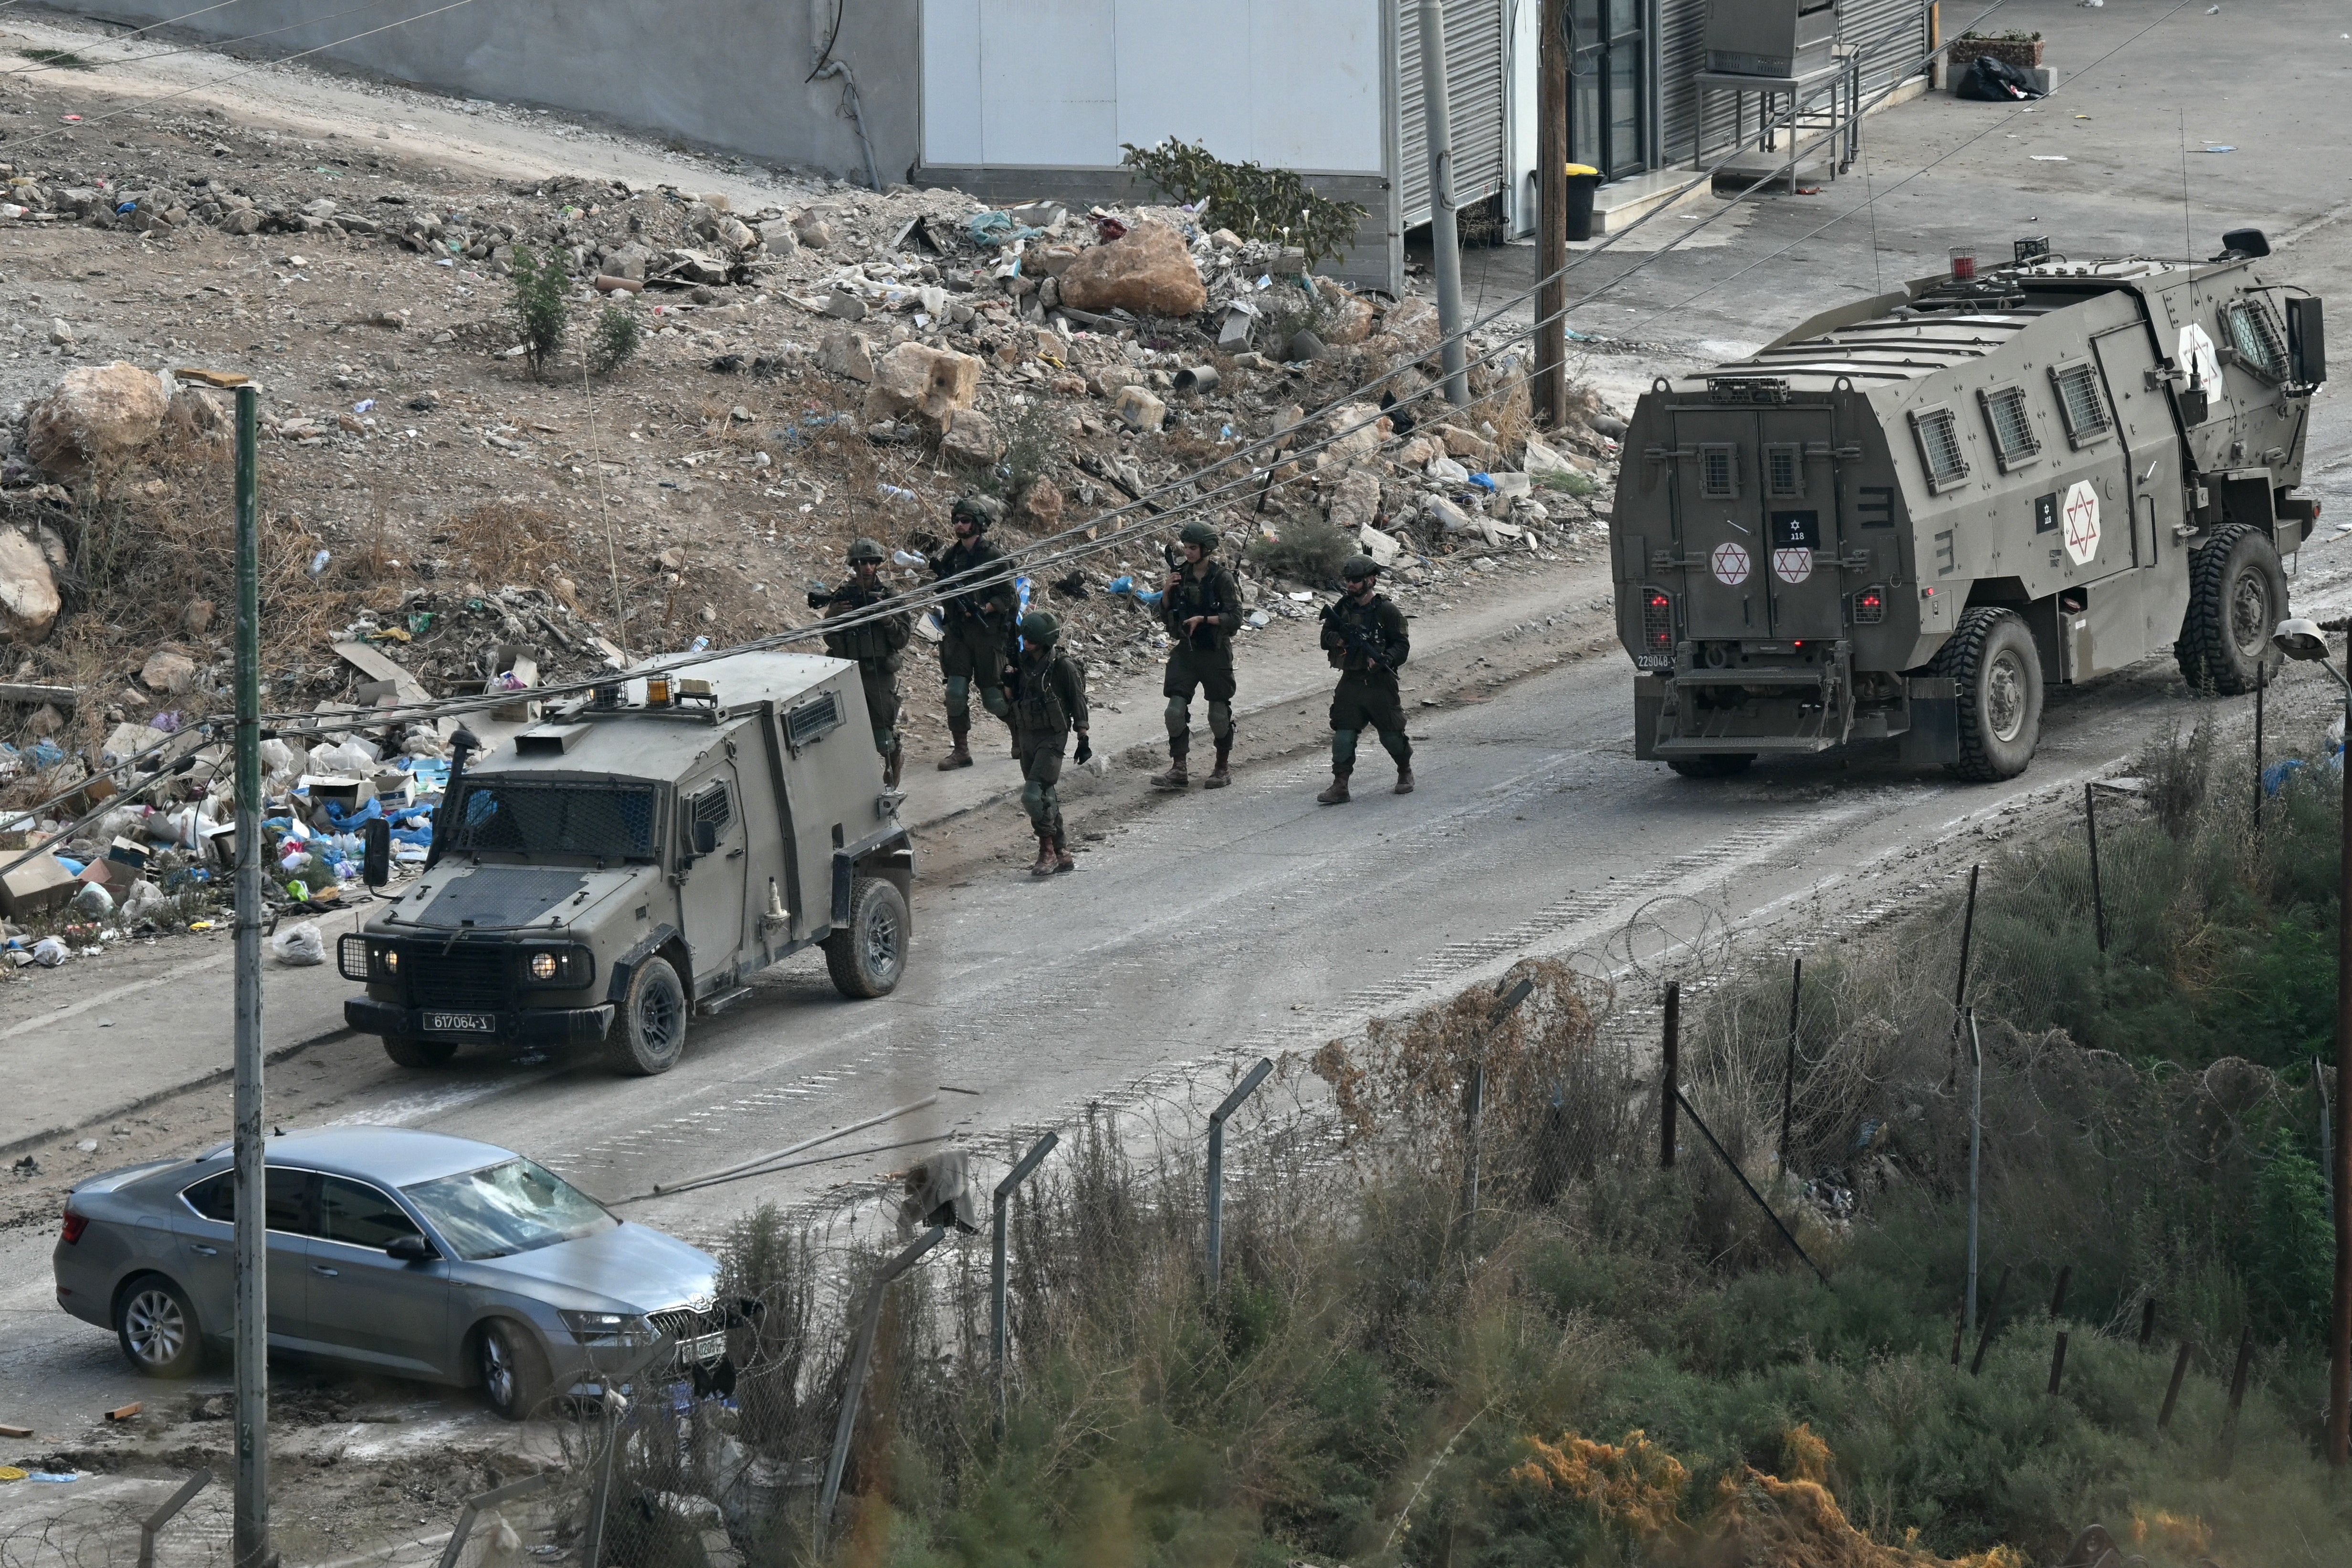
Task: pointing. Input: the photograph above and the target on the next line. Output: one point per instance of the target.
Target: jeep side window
(707, 813)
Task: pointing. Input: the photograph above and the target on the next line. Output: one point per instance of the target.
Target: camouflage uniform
(1368, 644)
(876, 646)
(979, 629)
(1049, 700)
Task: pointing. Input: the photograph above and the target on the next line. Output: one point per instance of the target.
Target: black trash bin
(1583, 179)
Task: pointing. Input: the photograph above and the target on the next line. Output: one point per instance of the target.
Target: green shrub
(541, 305)
(618, 334)
(1309, 549)
(1254, 202)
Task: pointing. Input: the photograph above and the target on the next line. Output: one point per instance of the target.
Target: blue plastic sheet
(1000, 229)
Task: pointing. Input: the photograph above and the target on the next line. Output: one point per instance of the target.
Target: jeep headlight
(545, 965)
(569, 967)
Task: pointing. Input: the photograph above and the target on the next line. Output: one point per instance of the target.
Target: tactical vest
(959, 558)
(1036, 705)
(1363, 641)
(1202, 596)
(868, 643)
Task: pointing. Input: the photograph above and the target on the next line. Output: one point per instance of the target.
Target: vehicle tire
(867, 955)
(649, 1036)
(157, 1325)
(1990, 656)
(512, 1372)
(411, 1052)
(1721, 765)
(2237, 597)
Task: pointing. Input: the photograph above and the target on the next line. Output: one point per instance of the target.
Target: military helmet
(970, 510)
(1199, 532)
(865, 550)
(1041, 626)
(1361, 567)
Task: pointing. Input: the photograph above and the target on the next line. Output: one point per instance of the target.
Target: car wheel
(411, 1052)
(2237, 597)
(157, 1325)
(1990, 656)
(867, 956)
(650, 1034)
(512, 1372)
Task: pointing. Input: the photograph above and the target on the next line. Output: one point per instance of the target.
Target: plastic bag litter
(300, 945)
(143, 896)
(351, 756)
(48, 952)
(94, 901)
(1990, 80)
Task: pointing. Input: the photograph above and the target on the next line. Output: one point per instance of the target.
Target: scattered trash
(298, 946)
(2048, 157)
(2220, 149)
(319, 561)
(48, 952)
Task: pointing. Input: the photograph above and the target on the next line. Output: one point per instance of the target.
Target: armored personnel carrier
(1913, 514)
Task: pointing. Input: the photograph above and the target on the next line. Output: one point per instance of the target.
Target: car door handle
(207, 1251)
(735, 854)
(322, 1269)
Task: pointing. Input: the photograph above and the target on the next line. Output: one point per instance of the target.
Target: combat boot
(1218, 777)
(961, 756)
(1337, 795)
(1404, 778)
(1062, 861)
(1175, 777)
(1043, 865)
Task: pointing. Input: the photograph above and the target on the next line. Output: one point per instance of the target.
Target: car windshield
(500, 1210)
(611, 821)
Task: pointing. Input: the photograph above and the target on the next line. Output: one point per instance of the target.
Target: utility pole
(1551, 212)
(251, 1531)
(1444, 239)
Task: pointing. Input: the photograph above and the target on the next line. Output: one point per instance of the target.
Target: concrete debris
(1149, 271)
(98, 413)
(932, 382)
(970, 438)
(29, 602)
(848, 353)
(1138, 410)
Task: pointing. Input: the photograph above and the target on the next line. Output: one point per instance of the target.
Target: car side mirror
(706, 839)
(376, 857)
(409, 1249)
(2306, 341)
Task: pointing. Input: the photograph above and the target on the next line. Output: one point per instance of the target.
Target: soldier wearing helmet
(1049, 700)
(1364, 634)
(1201, 607)
(875, 643)
(978, 620)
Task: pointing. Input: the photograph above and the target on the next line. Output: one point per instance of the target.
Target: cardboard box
(38, 884)
(348, 791)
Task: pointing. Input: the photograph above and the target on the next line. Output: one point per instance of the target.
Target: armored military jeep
(1912, 513)
(634, 859)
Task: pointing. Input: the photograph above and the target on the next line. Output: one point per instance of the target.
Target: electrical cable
(80, 64)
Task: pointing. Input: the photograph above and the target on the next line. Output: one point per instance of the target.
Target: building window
(2012, 423)
(1940, 447)
(2079, 400)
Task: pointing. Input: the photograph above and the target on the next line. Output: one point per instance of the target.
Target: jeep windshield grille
(610, 822)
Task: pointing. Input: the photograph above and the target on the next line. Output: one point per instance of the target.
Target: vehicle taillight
(1657, 620)
(1870, 606)
(75, 1225)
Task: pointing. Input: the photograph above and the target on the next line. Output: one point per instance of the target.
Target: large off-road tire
(411, 1052)
(867, 955)
(2237, 597)
(157, 1326)
(649, 1036)
(512, 1372)
(1992, 657)
(1721, 765)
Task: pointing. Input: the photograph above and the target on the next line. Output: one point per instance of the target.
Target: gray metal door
(1474, 55)
(712, 899)
(206, 1234)
(1719, 525)
(371, 1307)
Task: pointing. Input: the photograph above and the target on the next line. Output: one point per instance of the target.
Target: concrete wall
(725, 72)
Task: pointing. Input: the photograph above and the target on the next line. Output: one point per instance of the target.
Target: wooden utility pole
(1551, 212)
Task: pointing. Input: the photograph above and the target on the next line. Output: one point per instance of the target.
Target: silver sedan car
(401, 1251)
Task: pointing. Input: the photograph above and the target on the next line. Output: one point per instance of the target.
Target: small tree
(541, 308)
(617, 336)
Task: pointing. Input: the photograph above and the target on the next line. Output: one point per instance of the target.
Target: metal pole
(2326, 1132)
(250, 1332)
(164, 1515)
(1741, 1177)
(2172, 1389)
(1789, 1074)
(853, 1392)
(1444, 241)
(1968, 938)
(1475, 1099)
(2339, 1347)
(2098, 898)
(2237, 1399)
(1976, 1158)
(1551, 212)
(1991, 1316)
(1670, 1075)
(1232, 1102)
(1013, 1178)
(2262, 686)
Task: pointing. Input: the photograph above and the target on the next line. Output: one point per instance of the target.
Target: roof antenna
(2188, 235)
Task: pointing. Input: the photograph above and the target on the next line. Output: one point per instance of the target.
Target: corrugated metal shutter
(1891, 35)
(1475, 90)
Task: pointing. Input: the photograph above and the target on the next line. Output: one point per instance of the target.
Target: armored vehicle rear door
(711, 901)
(1756, 520)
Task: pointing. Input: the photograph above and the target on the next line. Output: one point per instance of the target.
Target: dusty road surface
(1210, 929)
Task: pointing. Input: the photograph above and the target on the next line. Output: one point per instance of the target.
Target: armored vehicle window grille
(610, 822)
(2262, 348)
(1718, 472)
(1784, 471)
(2012, 423)
(2079, 400)
(1940, 447)
(812, 720)
(711, 807)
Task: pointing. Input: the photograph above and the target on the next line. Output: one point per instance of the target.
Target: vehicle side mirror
(2195, 405)
(376, 856)
(706, 839)
(2306, 341)
(409, 1249)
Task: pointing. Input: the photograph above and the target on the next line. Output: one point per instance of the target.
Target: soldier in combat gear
(1049, 700)
(1201, 607)
(979, 623)
(1364, 633)
(875, 645)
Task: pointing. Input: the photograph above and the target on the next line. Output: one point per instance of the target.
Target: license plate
(461, 1023)
(702, 1349)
